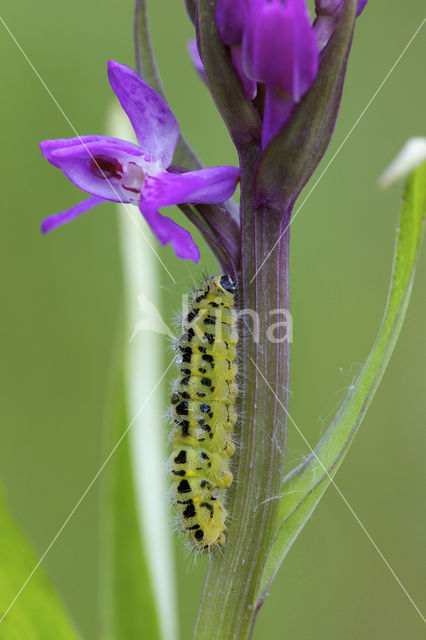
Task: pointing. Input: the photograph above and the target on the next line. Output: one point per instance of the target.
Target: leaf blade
(305, 485)
(29, 606)
(129, 609)
(140, 576)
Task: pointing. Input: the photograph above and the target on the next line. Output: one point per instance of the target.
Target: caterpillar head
(227, 283)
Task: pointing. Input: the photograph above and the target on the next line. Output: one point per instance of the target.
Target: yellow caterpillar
(203, 412)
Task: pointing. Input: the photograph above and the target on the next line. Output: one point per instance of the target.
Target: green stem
(228, 606)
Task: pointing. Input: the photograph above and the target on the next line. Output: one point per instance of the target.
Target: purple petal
(207, 186)
(361, 6)
(58, 219)
(196, 59)
(97, 165)
(328, 12)
(230, 19)
(278, 109)
(328, 7)
(249, 85)
(167, 230)
(155, 126)
(48, 146)
(279, 46)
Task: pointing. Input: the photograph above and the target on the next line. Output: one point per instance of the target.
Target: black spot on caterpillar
(203, 412)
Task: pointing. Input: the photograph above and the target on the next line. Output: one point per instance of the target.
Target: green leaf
(139, 594)
(306, 484)
(36, 612)
(129, 609)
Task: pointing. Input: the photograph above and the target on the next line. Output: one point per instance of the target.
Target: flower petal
(95, 165)
(167, 230)
(328, 12)
(58, 219)
(361, 6)
(249, 85)
(279, 46)
(277, 111)
(196, 59)
(207, 186)
(230, 19)
(49, 146)
(155, 125)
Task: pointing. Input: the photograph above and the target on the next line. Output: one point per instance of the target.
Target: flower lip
(115, 170)
(134, 178)
(130, 175)
(106, 168)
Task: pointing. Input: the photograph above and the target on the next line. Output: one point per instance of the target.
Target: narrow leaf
(411, 156)
(141, 577)
(129, 609)
(30, 609)
(305, 485)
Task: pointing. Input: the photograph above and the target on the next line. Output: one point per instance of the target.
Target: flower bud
(279, 46)
(230, 20)
(328, 12)
(231, 16)
(328, 7)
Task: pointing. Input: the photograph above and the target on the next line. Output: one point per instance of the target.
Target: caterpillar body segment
(203, 412)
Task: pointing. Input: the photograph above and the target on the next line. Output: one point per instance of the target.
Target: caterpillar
(203, 412)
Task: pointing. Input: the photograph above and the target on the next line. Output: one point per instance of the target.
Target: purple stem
(229, 604)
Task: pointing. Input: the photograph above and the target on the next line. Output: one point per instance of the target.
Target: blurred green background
(61, 296)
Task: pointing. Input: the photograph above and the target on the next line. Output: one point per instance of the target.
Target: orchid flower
(119, 171)
(280, 50)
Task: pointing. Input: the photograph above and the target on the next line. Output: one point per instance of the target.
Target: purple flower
(280, 50)
(328, 12)
(230, 19)
(196, 59)
(119, 171)
(330, 6)
(279, 47)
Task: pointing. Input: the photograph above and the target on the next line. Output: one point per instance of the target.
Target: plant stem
(228, 606)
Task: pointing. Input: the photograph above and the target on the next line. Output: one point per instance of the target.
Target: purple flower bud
(328, 12)
(279, 46)
(230, 19)
(231, 16)
(196, 60)
(361, 6)
(328, 7)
